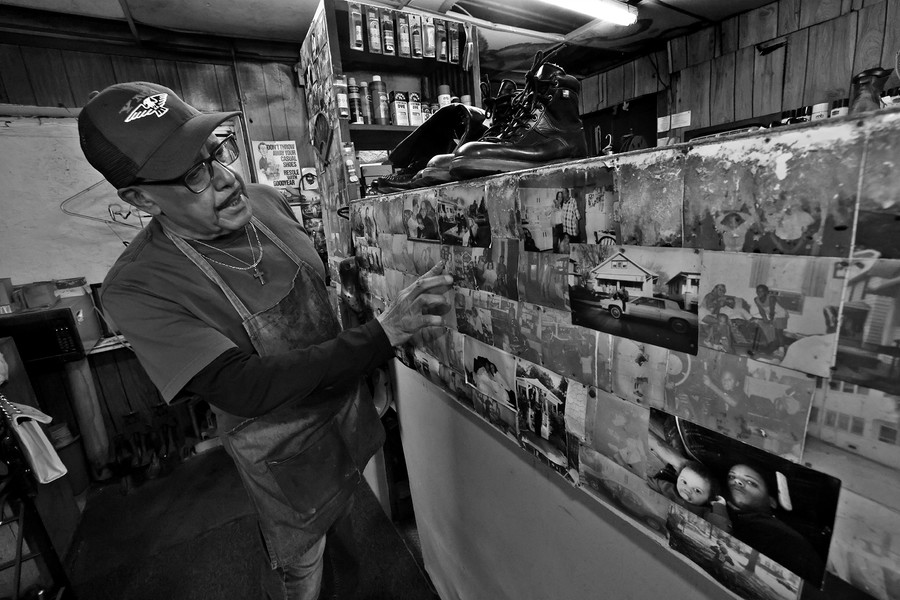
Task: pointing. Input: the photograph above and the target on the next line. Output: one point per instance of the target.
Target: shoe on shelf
(544, 128)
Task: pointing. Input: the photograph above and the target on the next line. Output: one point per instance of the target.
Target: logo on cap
(151, 105)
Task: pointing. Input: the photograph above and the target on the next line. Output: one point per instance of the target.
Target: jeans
(329, 570)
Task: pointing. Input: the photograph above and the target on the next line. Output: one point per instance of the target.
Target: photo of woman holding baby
(778, 508)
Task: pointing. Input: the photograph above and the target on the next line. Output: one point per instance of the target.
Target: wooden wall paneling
(744, 60)
(891, 39)
(721, 90)
(677, 54)
(278, 94)
(134, 68)
(699, 91)
(615, 80)
(727, 38)
(768, 82)
(590, 94)
(256, 113)
(168, 75)
(701, 46)
(199, 85)
(795, 69)
(645, 80)
(602, 90)
(758, 25)
(870, 37)
(295, 113)
(788, 16)
(87, 72)
(47, 73)
(227, 91)
(829, 65)
(818, 11)
(660, 60)
(628, 81)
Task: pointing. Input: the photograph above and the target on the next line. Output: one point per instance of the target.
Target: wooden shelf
(378, 137)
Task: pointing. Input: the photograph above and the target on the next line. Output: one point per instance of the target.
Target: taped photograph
(777, 309)
(615, 485)
(466, 266)
(501, 206)
(650, 189)
(424, 256)
(551, 210)
(781, 509)
(868, 345)
(760, 404)
(618, 430)
(645, 294)
(542, 279)
(491, 372)
(879, 206)
(420, 214)
(389, 215)
(541, 404)
(570, 350)
(465, 206)
(471, 319)
(638, 372)
(499, 414)
(853, 435)
(735, 565)
(501, 271)
(865, 547)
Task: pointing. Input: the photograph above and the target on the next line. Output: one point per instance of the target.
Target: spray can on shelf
(380, 108)
(443, 95)
(340, 93)
(354, 101)
(365, 102)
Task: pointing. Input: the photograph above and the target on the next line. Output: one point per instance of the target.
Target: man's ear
(139, 198)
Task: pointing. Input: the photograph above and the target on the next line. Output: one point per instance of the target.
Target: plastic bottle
(365, 101)
(839, 108)
(380, 108)
(340, 93)
(443, 95)
(354, 101)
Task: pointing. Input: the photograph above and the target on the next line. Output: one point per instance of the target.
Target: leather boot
(449, 127)
(545, 128)
(499, 109)
(865, 89)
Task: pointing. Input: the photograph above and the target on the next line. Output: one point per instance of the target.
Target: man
(222, 295)
(570, 217)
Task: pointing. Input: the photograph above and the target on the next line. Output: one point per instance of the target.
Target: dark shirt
(778, 541)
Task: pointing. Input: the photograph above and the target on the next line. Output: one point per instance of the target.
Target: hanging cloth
(25, 422)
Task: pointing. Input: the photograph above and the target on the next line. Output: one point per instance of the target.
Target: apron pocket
(318, 480)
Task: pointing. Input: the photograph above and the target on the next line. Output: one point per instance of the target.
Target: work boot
(545, 128)
(865, 89)
(499, 109)
(448, 128)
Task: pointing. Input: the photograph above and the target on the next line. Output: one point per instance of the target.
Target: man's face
(747, 488)
(218, 210)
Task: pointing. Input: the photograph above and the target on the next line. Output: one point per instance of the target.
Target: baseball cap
(142, 130)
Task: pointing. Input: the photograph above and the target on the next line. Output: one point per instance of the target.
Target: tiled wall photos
(706, 337)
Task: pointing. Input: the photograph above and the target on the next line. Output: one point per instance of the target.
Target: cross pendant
(258, 274)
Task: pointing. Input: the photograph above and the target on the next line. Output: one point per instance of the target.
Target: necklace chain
(247, 266)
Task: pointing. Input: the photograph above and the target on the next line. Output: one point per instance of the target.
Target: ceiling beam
(131, 24)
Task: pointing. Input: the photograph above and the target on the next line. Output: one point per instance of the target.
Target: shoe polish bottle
(354, 100)
(380, 106)
(340, 94)
(365, 103)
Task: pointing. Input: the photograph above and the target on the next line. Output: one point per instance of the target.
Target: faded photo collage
(719, 366)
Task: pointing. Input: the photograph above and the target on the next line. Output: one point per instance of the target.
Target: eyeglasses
(199, 177)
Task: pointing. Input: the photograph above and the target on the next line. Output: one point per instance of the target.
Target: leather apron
(301, 462)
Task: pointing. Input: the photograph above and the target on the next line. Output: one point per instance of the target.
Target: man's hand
(418, 307)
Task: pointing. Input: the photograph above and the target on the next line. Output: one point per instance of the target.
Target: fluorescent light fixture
(612, 11)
